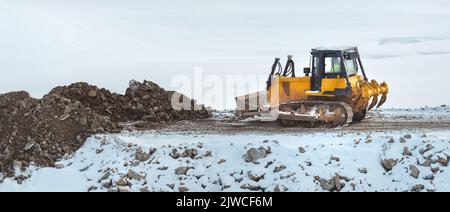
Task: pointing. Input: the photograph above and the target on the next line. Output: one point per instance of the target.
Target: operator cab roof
(335, 49)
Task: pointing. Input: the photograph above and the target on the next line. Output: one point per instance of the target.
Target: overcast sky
(45, 43)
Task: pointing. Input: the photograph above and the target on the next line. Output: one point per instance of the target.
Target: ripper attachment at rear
(334, 91)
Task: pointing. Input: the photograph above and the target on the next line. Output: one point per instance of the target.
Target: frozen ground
(331, 160)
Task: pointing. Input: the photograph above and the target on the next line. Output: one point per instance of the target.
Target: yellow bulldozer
(334, 91)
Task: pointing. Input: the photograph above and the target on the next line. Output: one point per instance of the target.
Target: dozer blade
(383, 100)
(374, 102)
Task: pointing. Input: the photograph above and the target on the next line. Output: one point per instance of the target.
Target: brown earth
(41, 131)
(374, 122)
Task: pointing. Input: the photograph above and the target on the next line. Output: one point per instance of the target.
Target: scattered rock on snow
(333, 184)
(435, 169)
(426, 149)
(337, 159)
(163, 168)
(363, 170)
(279, 168)
(301, 150)
(402, 139)
(181, 170)
(388, 164)
(134, 176)
(255, 177)
(92, 188)
(191, 153)
(417, 188)
(442, 161)
(414, 171)
(122, 182)
(183, 189)
(391, 140)
(59, 166)
(253, 154)
(144, 189)
(406, 151)
(141, 155)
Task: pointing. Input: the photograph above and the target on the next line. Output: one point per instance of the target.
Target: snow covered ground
(151, 161)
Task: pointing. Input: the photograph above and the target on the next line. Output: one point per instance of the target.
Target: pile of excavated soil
(41, 131)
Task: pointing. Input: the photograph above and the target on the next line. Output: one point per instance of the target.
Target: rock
(368, 140)
(426, 149)
(144, 189)
(363, 170)
(427, 163)
(59, 166)
(123, 189)
(417, 188)
(108, 184)
(423, 135)
(191, 153)
(92, 188)
(406, 151)
(337, 182)
(29, 145)
(414, 171)
(408, 136)
(301, 150)
(255, 177)
(279, 168)
(134, 176)
(163, 168)
(141, 155)
(105, 176)
(435, 170)
(402, 139)
(85, 168)
(442, 161)
(122, 182)
(388, 164)
(391, 140)
(337, 159)
(429, 177)
(222, 161)
(253, 154)
(208, 154)
(98, 151)
(334, 184)
(174, 154)
(277, 189)
(171, 186)
(92, 93)
(181, 170)
(183, 189)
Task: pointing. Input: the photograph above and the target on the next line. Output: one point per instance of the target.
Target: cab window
(351, 67)
(332, 65)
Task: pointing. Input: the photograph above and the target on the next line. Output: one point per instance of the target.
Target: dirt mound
(149, 102)
(43, 130)
(142, 102)
(102, 101)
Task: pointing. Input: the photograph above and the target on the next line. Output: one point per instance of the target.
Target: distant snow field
(150, 161)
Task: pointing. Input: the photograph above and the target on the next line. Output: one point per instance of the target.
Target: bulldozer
(334, 91)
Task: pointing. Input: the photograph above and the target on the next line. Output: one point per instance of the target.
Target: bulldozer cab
(334, 63)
